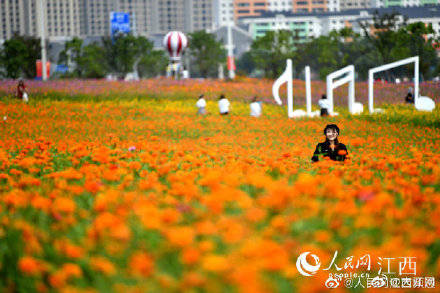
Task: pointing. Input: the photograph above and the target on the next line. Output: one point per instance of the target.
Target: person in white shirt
(255, 108)
(223, 105)
(325, 105)
(201, 105)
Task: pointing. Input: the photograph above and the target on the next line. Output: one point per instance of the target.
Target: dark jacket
(323, 149)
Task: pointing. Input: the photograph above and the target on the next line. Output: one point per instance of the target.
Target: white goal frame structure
(287, 77)
(332, 84)
(388, 66)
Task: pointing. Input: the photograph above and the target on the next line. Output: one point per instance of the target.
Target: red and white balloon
(175, 43)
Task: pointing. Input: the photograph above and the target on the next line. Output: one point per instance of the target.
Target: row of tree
(387, 40)
(118, 55)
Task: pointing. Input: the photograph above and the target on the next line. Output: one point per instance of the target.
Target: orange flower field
(146, 196)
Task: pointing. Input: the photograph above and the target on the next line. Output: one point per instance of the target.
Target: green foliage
(152, 63)
(93, 62)
(72, 55)
(206, 54)
(245, 64)
(393, 39)
(119, 55)
(322, 55)
(19, 55)
(84, 61)
(382, 35)
(270, 52)
(387, 39)
(415, 39)
(123, 52)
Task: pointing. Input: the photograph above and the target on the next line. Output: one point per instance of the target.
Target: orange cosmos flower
(58, 279)
(41, 203)
(141, 264)
(190, 256)
(193, 279)
(29, 265)
(215, 263)
(180, 236)
(342, 152)
(72, 270)
(102, 265)
(64, 204)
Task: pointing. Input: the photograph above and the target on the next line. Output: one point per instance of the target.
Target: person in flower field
(331, 148)
(201, 105)
(409, 99)
(324, 104)
(21, 91)
(255, 107)
(223, 105)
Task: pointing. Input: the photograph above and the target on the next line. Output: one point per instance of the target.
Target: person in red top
(21, 91)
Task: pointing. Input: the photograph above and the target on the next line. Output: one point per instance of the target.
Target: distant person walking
(256, 108)
(324, 104)
(201, 105)
(21, 91)
(223, 105)
(331, 148)
(409, 99)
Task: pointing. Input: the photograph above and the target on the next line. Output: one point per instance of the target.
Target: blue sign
(119, 22)
(61, 68)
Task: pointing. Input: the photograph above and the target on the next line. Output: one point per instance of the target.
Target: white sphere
(298, 113)
(424, 104)
(358, 108)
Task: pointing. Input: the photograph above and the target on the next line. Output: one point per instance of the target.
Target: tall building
(310, 5)
(181, 15)
(62, 18)
(91, 18)
(12, 18)
(139, 11)
(246, 8)
(312, 24)
(95, 14)
(199, 15)
(168, 15)
(280, 5)
(223, 13)
(354, 4)
(404, 3)
(333, 5)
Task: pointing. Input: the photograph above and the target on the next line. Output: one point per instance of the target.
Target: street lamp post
(42, 39)
(230, 46)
